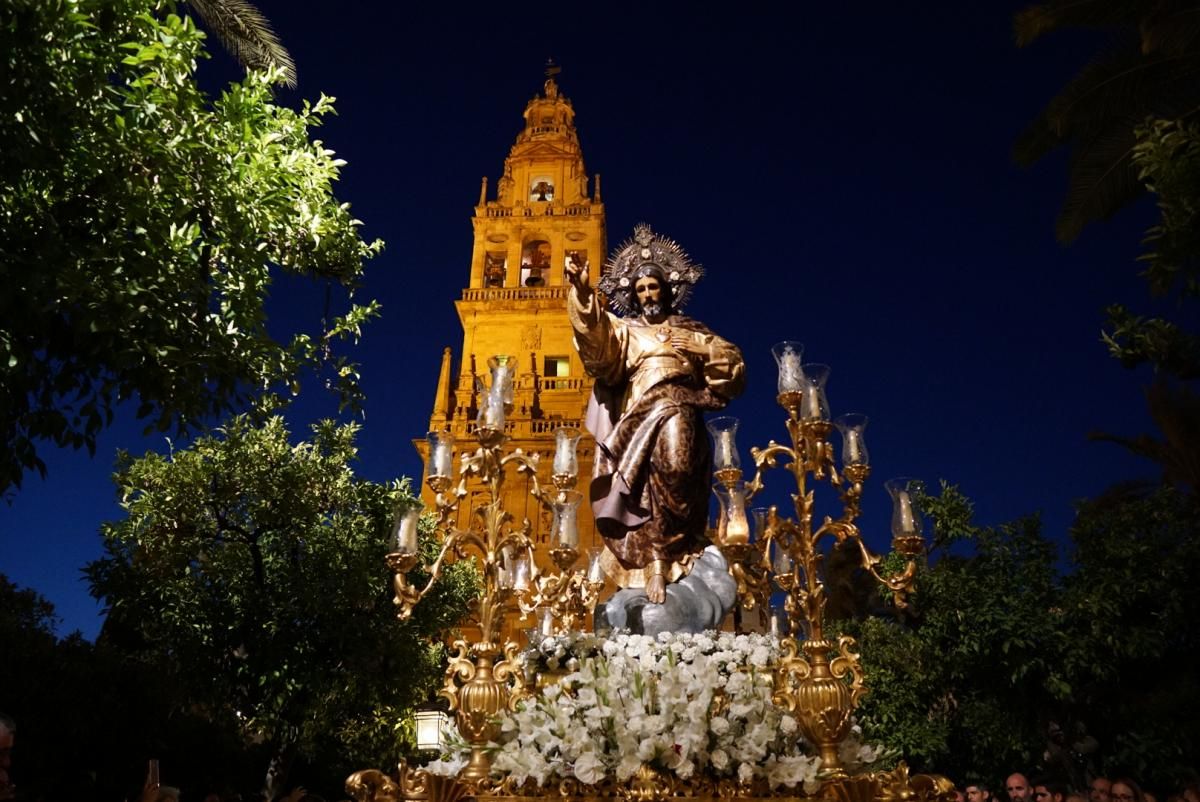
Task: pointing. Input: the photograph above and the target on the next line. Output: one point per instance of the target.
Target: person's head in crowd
(978, 792)
(8, 732)
(1017, 788)
(1077, 796)
(1049, 790)
(1098, 789)
(167, 793)
(1126, 790)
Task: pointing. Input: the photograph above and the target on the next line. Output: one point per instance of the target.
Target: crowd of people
(1019, 788)
(153, 789)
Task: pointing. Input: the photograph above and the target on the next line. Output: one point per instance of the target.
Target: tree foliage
(1148, 65)
(1168, 161)
(1000, 644)
(252, 570)
(142, 224)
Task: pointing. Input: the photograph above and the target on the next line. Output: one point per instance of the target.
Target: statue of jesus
(656, 372)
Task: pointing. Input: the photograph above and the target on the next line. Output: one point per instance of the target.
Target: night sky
(845, 178)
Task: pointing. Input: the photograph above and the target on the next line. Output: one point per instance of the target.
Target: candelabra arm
(764, 460)
(407, 596)
(900, 584)
(841, 529)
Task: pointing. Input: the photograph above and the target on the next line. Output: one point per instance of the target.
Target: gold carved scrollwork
(418, 784)
(898, 786)
(648, 785)
(847, 662)
(372, 785)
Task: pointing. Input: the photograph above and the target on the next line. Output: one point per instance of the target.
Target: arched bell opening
(535, 263)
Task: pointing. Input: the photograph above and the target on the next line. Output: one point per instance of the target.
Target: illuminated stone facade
(515, 304)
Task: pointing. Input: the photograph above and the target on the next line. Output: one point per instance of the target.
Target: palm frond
(247, 35)
(1106, 86)
(1176, 412)
(1031, 23)
(1103, 178)
(1172, 29)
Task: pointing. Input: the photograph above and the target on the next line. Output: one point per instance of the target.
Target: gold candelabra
(485, 676)
(818, 679)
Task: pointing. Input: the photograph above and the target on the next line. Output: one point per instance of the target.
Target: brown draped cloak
(651, 482)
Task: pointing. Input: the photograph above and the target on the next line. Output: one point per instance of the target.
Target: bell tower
(540, 218)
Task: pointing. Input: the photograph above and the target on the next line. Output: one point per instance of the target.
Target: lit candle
(520, 578)
(904, 523)
(547, 622)
(565, 529)
(565, 461)
(737, 529)
(723, 458)
(779, 622)
(783, 560)
(595, 568)
(441, 454)
(812, 402)
(406, 531)
(568, 532)
(790, 377)
(854, 452)
(493, 411)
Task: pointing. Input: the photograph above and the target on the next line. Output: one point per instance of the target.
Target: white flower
(745, 772)
(588, 768)
(449, 766)
(633, 699)
(628, 766)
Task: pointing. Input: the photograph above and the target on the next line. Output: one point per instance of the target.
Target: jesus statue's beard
(653, 309)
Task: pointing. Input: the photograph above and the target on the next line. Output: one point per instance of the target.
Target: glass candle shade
(491, 411)
(782, 562)
(814, 406)
(441, 454)
(906, 518)
(733, 528)
(533, 636)
(520, 573)
(566, 461)
(501, 367)
(778, 624)
(725, 453)
(564, 528)
(505, 567)
(405, 530)
(595, 571)
(759, 516)
(545, 621)
(854, 448)
(787, 356)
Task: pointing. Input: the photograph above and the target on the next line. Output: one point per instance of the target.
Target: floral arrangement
(688, 704)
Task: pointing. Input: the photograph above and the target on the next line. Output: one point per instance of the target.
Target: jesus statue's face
(649, 295)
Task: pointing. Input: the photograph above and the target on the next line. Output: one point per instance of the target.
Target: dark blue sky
(842, 172)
